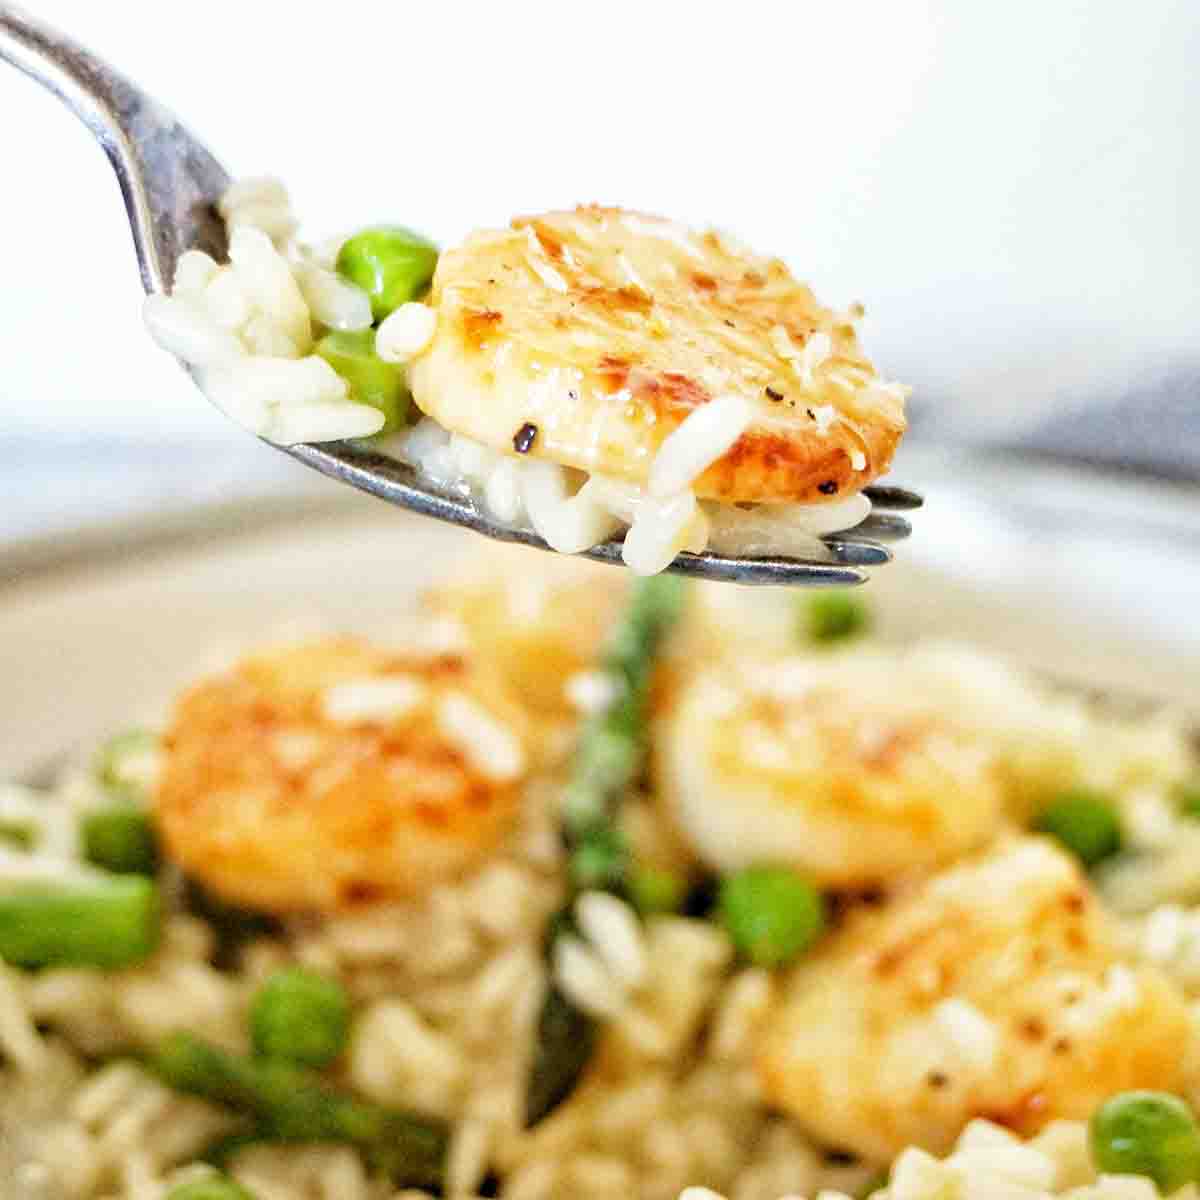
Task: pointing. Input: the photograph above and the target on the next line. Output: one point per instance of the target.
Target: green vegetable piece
(110, 922)
(116, 760)
(834, 616)
(772, 913)
(599, 860)
(390, 263)
(656, 891)
(613, 744)
(611, 752)
(566, 1039)
(212, 1187)
(221, 1152)
(1187, 796)
(300, 1016)
(20, 835)
(1147, 1133)
(372, 381)
(120, 838)
(1086, 824)
(291, 1104)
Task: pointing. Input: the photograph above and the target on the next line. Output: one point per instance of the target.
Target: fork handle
(166, 177)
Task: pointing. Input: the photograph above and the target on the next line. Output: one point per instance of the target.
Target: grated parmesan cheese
(376, 699)
(488, 744)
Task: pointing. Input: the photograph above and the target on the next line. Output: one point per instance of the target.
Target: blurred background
(1011, 190)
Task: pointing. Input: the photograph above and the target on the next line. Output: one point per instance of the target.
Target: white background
(1011, 188)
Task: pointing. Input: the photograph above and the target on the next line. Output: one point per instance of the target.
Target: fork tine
(897, 498)
(880, 527)
(858, 552)
(773, 570)
(768, 571)
(397, 482)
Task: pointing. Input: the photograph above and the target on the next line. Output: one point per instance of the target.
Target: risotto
(581, 373)
(597, 894)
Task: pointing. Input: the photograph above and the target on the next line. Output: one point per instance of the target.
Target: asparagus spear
(566, 1037)
(608, 760)
(292, 1104)
(85, 919)
(612, 748)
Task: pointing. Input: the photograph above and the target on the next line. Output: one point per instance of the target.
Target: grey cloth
(1152, 429)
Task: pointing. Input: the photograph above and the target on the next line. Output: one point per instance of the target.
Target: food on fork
(582, 372)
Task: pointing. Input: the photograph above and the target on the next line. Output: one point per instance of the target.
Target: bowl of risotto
(355, 862)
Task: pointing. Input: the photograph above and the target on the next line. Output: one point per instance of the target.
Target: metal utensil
(170, 182)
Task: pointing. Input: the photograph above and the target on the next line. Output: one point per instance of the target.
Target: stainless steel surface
(171, 182)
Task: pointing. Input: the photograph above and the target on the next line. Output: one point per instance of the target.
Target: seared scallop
(587, 337)
(993, 990)
(539, 619)
(830, 765)
(333, 773)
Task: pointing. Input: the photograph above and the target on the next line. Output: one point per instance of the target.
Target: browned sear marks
(479, 326)
(618, 300)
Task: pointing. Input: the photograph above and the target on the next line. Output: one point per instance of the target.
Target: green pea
(1085, 822)
(211, 1187)
(656, 891)
(1147, 1133)
(119, 837)
(390, 263)
(372, 381)
(772, 913)
(301, 1017)
(834, 616)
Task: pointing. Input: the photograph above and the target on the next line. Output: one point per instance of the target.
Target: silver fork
(170, 183)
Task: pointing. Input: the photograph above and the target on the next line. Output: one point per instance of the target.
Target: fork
(170, 183)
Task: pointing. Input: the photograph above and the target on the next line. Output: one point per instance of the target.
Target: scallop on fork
(593, 381)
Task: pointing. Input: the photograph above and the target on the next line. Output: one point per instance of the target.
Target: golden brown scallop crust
(271, 803)
(605, 329)
(994, 989)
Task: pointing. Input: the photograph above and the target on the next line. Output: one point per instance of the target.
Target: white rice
(245, 327)
(331, 300)
(572, 513)
(705, 435)
(260, 203)
(403, 334)
(610, 925)
(583, 977)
